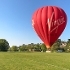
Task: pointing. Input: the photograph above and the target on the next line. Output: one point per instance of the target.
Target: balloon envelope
(49, 22)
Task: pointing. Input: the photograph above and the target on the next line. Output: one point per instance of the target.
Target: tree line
(58, 46)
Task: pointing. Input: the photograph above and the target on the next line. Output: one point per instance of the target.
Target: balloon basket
(48, 51)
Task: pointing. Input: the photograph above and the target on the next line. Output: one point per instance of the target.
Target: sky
(16, 16)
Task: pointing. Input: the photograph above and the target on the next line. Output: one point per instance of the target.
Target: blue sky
(15, 20)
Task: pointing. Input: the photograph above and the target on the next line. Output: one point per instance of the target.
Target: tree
(4, 45)
(30, 47)
(43, 47)
(23, 48)
(56, 45)
(68, 46)
(63, 46)
(37, 47)
(14, 48)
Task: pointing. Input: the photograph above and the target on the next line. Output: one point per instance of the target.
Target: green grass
(34, 61)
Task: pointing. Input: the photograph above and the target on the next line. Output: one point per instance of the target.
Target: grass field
(34, 61)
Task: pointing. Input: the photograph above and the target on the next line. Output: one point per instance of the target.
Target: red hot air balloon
(49, 22)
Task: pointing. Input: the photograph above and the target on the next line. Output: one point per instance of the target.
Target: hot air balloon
(49, 22)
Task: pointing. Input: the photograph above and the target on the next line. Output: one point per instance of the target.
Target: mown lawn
(34, 61)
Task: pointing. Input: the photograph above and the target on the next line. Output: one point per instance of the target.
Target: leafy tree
(30, 47)
(23, 48)
(14, 48)
(4, 45)
(56, 45)
(63, 46)
(9, 49)
(37, 47)
(68, 46)
(43, 47)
